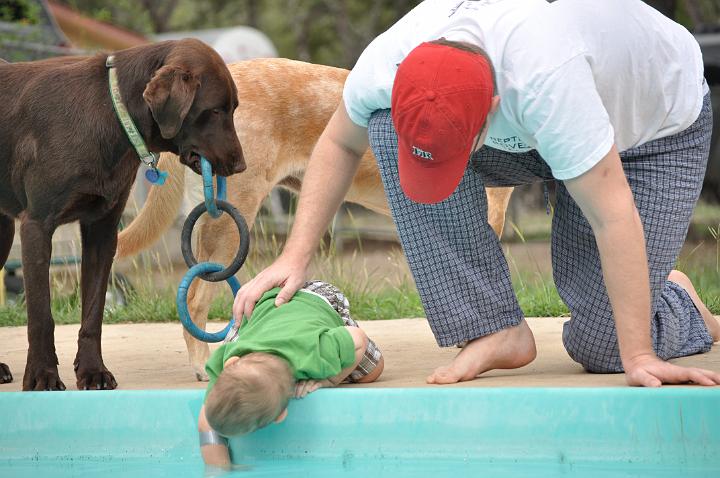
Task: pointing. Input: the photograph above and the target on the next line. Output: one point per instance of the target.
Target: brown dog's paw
(95, 379)
(42, 378)
(5, 375)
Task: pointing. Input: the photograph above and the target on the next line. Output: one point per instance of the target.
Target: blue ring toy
(208, 188)
(182, 307)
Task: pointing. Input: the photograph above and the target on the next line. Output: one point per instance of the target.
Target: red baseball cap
(440, 100)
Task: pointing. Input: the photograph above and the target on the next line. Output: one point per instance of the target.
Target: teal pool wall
(662, 427)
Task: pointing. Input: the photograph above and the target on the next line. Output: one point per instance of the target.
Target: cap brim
(429, 182)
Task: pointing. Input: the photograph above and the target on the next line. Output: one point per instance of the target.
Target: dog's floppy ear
(169, 95)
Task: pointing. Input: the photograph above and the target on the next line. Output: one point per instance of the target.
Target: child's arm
(360, 340)
(215, 454)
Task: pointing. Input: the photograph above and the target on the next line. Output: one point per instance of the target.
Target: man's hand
(651, 371)
(286, 273)
(303, 387)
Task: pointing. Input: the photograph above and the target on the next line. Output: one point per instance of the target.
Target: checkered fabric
(462, 275)
(339, 302)
(453, 253)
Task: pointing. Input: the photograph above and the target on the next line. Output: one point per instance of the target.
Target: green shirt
(306, 331)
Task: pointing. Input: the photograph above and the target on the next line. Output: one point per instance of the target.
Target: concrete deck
(151, 356)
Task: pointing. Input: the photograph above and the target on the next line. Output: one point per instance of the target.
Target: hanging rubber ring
(186, 240)
(182, 307)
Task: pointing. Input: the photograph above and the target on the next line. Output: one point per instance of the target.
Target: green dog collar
(146, 157)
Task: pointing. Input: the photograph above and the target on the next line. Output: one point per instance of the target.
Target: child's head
(251, 392)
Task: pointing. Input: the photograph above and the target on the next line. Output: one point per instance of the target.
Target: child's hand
(303, 387)
(215, 471)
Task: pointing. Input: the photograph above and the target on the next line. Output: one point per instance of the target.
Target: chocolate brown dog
(65, 157)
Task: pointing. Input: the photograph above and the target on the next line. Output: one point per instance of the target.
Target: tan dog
(284, 106)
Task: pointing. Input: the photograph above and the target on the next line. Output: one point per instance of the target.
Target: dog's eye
(217, 111)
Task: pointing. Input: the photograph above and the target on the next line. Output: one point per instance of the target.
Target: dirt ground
(153, 356)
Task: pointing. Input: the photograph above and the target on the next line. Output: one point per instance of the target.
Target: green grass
(536, 294)
(538, 297)
(391, 303)
(159, 306)
(706, 279)
(143, 306)
(372, 294)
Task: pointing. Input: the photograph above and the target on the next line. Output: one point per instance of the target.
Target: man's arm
(605, 198)
(329, 175)
(213, 454)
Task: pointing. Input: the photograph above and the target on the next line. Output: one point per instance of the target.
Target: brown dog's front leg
(7, 232)
(99, 241)
(41, 371)
(5, 374)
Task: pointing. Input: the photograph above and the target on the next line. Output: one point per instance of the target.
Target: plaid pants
(462, 275)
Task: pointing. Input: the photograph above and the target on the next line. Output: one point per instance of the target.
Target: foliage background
(332, 32)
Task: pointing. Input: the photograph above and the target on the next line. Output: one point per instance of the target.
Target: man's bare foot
(710, 321)
(509, 348)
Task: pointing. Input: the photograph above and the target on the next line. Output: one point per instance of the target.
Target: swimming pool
(453, 432)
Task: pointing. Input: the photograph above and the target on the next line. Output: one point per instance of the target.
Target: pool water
(322, 469)
(355, 432)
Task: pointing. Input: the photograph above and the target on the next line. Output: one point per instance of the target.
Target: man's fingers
(251, 296)
(683, 375)
(702, 377)
(714, 376)
(655, 376)
(249, 307)
(241, 299)
(286, 293)
(641, 378)
(238, 305)
(651, 381)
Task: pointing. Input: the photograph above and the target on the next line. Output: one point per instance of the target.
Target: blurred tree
(332, 32)
(697, 15)
(130, 14)
(19, 11)
(666, 7)
(160, 12)
(28, 33)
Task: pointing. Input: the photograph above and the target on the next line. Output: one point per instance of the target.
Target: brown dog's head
(192, 98)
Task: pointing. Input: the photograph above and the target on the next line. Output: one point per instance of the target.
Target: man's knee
(595, 348)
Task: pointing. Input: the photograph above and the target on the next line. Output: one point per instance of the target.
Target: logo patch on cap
(422, 154)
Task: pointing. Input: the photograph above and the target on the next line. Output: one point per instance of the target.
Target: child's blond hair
(249, 394)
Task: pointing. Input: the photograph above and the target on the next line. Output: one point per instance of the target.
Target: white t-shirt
(574, 76)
